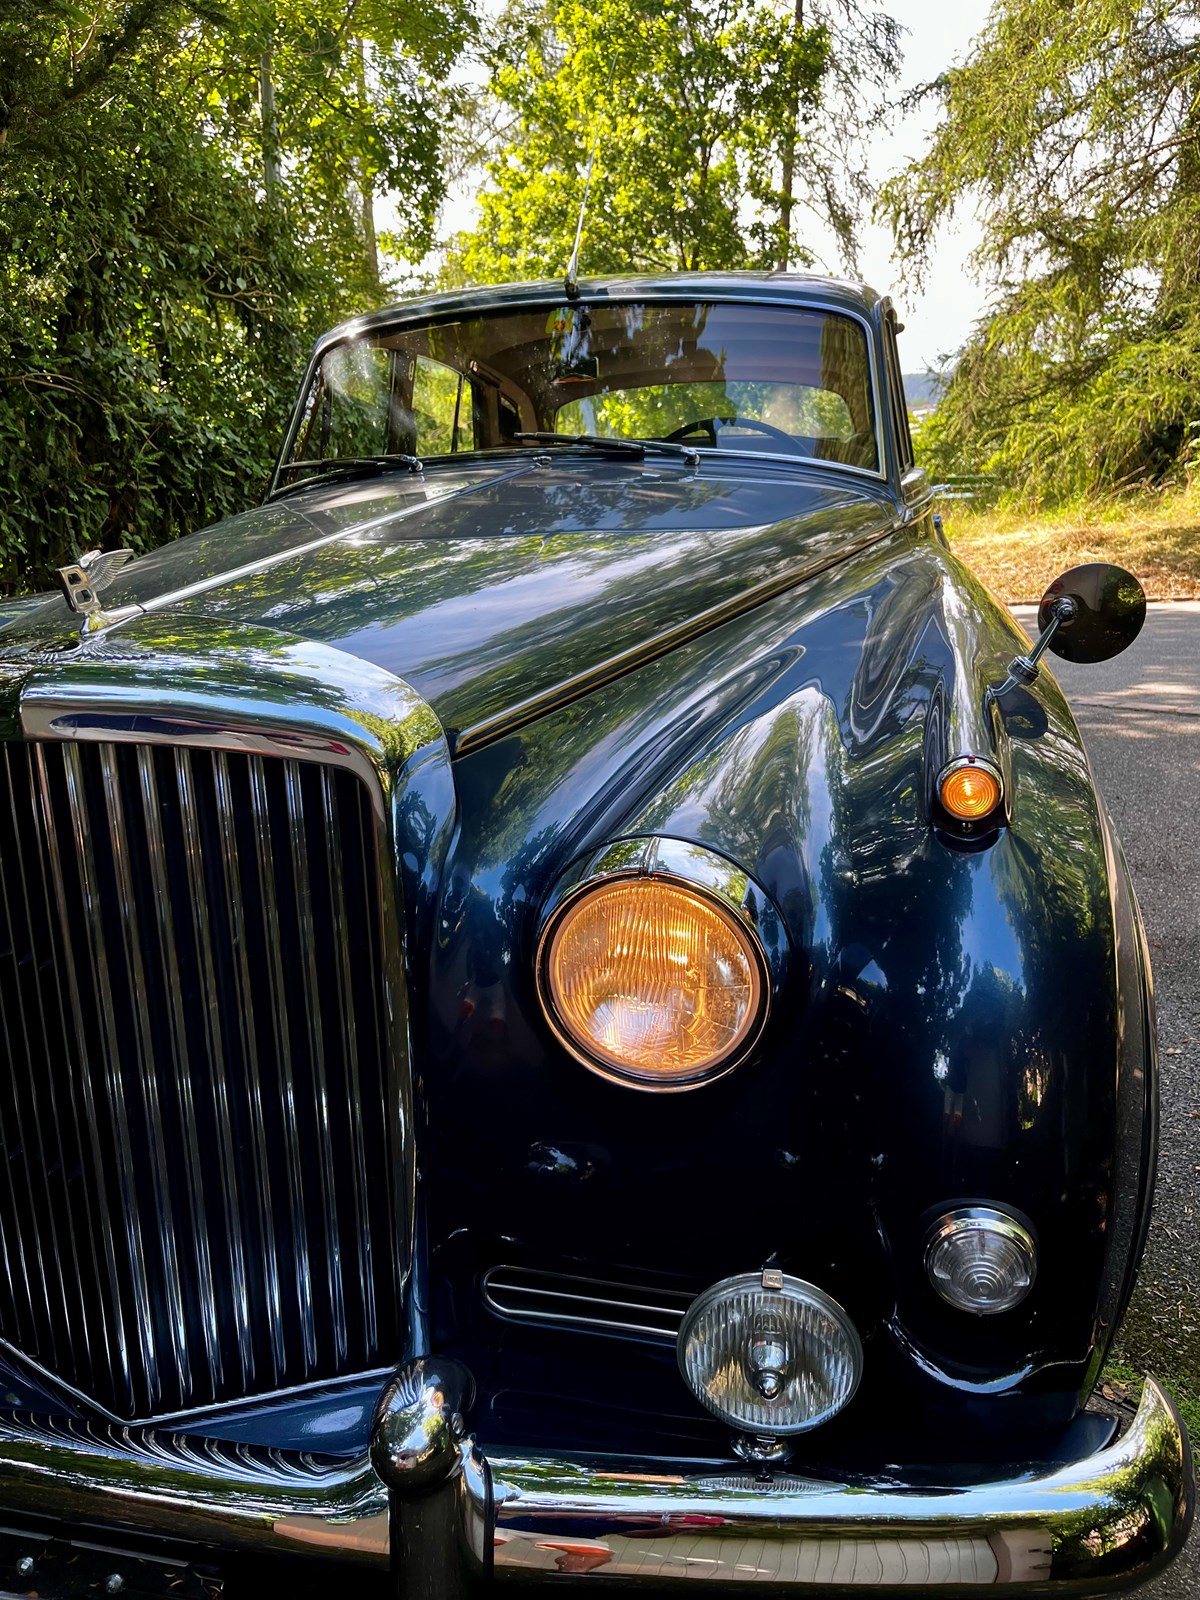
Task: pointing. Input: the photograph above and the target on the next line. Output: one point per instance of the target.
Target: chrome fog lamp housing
(769, 1354)
(980, 1260)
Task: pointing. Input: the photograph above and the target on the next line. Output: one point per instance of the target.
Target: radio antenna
(571, 278)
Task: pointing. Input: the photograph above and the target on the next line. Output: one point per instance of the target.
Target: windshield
(767, 379)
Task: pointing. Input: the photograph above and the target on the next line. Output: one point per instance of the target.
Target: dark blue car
(569, 1008)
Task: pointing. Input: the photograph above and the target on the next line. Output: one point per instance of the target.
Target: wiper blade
(617, 444)
(330, 468)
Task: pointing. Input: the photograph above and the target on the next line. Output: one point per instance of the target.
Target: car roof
(833, 293)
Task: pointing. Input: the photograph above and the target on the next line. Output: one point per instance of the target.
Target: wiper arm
(616, 444)
(330, 468)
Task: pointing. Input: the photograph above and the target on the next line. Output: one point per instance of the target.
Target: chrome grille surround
(209, 1196)
(193, 1061)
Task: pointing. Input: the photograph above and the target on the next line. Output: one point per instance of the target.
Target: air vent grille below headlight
(527, 1294)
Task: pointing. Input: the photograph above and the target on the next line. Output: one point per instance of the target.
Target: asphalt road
(1140, 719)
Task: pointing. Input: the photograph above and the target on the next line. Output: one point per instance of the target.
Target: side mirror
(1100, 610)
(1091, 613)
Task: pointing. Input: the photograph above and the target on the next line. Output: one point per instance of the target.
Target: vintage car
(570, 1009)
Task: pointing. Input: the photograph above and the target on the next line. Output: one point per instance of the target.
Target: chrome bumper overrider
(457, 1520)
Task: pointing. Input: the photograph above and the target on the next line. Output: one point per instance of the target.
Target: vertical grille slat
(242, 998)
(13, 1141)
(160, 1240)
(54, 1172)
(198, 1203)
(66, 997)
(24, 1284)
(164, 949)
(316, 1050)
(347, 1024)
(202, 938)
(280, 1025)
(101, 979)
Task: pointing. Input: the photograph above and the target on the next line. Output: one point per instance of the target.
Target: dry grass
(1017, 554)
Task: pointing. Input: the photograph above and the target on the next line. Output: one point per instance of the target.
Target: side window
(442, 410)
(897, 402)
(349, 405)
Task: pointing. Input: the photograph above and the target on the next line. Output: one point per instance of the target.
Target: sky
(938, 320)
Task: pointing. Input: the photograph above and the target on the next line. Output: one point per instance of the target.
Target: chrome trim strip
(562, 694)
(501, 1281)
(1090, 1527)
(227, 1496)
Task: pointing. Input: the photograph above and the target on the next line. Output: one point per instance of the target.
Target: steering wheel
(710, 425)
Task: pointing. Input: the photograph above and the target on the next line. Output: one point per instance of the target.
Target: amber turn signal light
(969, 790)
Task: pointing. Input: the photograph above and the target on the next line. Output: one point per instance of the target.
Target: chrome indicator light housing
(981, 1260)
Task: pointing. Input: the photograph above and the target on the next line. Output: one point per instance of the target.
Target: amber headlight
(652, 981)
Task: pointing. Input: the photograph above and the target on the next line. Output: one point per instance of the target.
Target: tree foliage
(185, 198)
(1075, 132)
(706, 119)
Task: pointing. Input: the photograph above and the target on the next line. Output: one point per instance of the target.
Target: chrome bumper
(1103, 1524)
(457, 1521)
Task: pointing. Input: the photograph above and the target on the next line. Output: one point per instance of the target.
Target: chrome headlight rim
(967, 1217)
(710, 877)
(788, 1287)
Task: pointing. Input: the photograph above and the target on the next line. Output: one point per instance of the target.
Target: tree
(1077, 132)
(697, 109)
(184, 197)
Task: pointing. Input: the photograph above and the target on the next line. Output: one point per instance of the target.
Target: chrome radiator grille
(196, 1142)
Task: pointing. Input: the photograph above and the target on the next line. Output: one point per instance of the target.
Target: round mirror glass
(1110, 607)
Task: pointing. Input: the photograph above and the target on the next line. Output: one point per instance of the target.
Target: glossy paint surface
(535, 660)
(950, 1029)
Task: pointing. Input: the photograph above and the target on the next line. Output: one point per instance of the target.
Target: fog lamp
(980, 1260)
(652, 981)
(769, 1354)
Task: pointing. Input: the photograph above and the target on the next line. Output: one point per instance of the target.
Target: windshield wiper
(330, 468)
(616, 444)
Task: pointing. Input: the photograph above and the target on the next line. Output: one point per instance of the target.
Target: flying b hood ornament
(82, 582)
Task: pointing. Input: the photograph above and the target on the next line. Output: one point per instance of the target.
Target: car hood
(496, 590)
